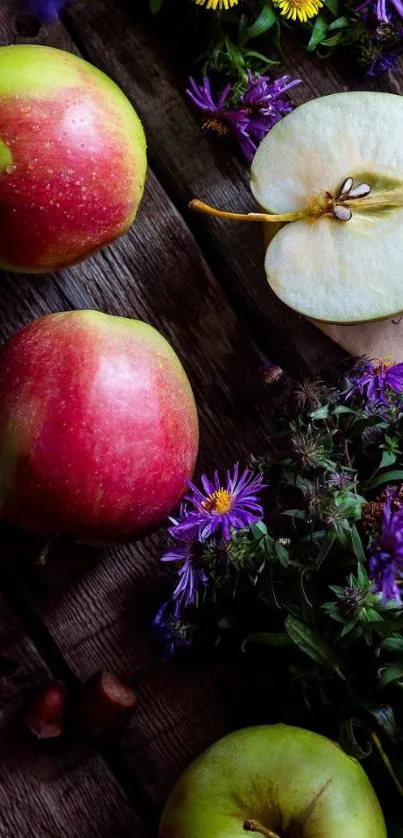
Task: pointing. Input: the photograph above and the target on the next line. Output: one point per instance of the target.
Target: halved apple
(332, 173)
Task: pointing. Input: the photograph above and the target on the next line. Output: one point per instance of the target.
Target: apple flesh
(72, 159)
(326, 268)
(331, 175)
(98, 427)
(277, 781)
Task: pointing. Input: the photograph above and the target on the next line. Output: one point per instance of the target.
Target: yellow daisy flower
(298, 9)
(217, 4)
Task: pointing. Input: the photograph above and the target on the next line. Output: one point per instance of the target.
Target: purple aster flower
(259, 108)
(264, 106)
(44, 9)
(191, 574)
(262, 97)
(171, 631)
(380, 10)
(383, 63)
(219, 509)
(373, 380)
(217, 118)
(386, 556)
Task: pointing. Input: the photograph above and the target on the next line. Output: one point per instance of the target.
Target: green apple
(277, 781)
(331, 173)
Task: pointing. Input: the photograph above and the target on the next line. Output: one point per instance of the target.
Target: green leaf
(155, 6)
(301, 483)
(251, 53)
(356, 544)
(340, 23)
(392, 644)
(263, 22)
(362, 577)
(267, 639)
(332, 42)
(388, 459)
(318, 33)
(388, 626)
(313, 645)
(342, 408)
(391, 673)
(333, 6)
(323, 411)
(348, 626)
(259, 529)
(386, 477)
(281, 553)
(325, 548)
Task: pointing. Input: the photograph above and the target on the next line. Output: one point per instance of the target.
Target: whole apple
(98, 427)
(72, 159)
(277, 781)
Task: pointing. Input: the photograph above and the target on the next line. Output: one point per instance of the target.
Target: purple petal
(45, 9)
(223, 96)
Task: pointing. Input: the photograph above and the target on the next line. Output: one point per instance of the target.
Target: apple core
(335, 255)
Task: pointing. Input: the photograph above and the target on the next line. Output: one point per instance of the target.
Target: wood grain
(49, 788)
(149, 70)
(98, 608)
(188, 169)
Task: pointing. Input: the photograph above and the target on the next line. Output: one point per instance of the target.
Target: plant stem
(255, 826)
(385, 759)
(43, 555)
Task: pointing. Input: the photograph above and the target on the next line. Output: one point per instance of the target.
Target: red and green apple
(98, 427)
(72, 159)
(277, 781)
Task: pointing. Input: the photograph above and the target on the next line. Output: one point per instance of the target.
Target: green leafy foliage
(248, 37)
(294, 589)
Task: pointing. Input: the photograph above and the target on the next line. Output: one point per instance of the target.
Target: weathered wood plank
(98, 609)
(49, 788)
(148, 66)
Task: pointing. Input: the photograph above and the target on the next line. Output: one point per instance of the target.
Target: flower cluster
(376, 379)
(311, 569)
(217, 511)
(370, 32)
(248, 117)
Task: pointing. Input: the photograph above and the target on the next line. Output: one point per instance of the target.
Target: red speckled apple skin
(98, 427)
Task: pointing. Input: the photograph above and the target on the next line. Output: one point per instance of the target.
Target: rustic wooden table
(201, 283)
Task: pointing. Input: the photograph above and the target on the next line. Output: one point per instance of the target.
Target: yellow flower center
(384, 363)
(217, 4)
(219, 502)
(216, 125)
(301, 9)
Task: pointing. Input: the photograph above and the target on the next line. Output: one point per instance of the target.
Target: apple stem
(255, 826)
(200, 206)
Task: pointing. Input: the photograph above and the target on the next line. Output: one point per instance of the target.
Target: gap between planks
(29, 298)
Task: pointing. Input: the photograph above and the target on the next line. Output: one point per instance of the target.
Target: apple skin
(98, 427)
(72, 159)
(292, 781)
